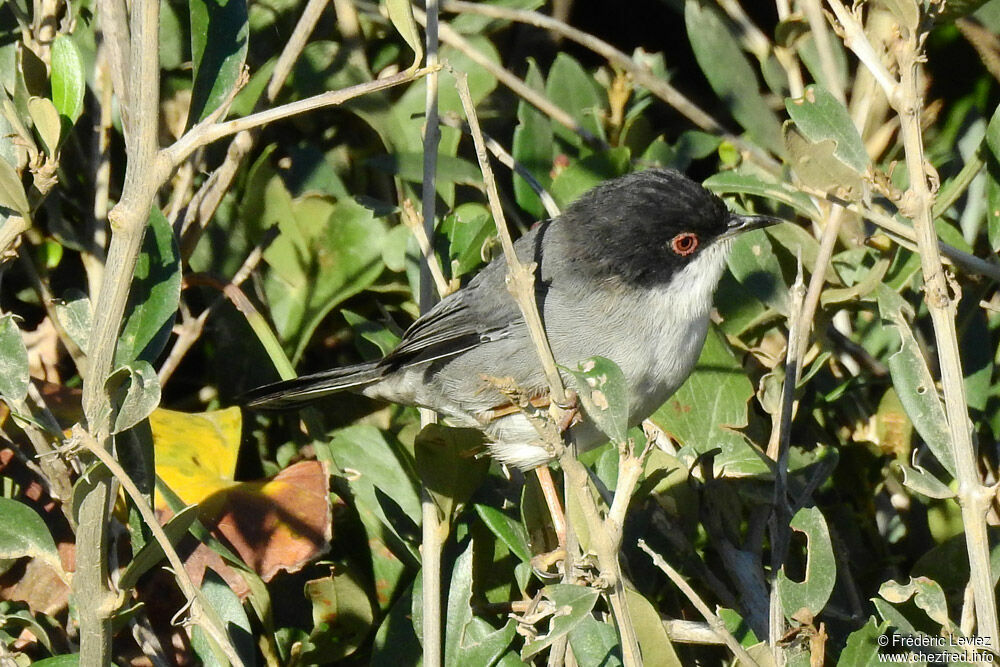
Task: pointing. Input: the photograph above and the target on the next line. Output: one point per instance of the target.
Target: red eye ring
(684, 244)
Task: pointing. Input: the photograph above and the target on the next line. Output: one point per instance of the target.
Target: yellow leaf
(195, 452)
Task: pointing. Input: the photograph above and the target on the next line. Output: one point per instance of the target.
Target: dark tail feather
(295, 393)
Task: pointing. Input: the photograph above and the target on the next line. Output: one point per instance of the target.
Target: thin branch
(504, 157)
(95, 597)
(205, 133)
(432, 532)
(856, 40)
(715, 623)
(520, 277)
(821, 38)
(293, 47)
(965, 261)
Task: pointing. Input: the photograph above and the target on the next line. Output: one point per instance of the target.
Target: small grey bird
(627, 272)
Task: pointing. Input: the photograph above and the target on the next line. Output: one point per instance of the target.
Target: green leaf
(154, 297)
(753, 263)
(230, 610)
(68, 660)
(993, 133)
(820, 116)
(584, 174)
(923, 482)
(410, 167)
(657, 649)
(135, 392)
(401, 14)
(467, 228)
(12, 194)
(325, 253)
(469, 640)
(914, 384)
(75, 315)
(532, 146)
(446, 463)
(342, 616)
(573, 90)
(13, 360)
(814, 591)
(595, 644)
(993, 212)
(376, 334)
(396, 642)
(219, 33)
(376, 464)
(69, 81)
(862, 645)
(510, 532)
(730, 74)
(703, 413)
(602, 389)
(573, 605)
(816, 164)
(927, 595)
(745, 181)
(46, 120)
(24, 534)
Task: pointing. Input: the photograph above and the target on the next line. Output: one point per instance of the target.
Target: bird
(627, 272)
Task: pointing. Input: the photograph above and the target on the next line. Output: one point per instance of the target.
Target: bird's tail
(299, 391)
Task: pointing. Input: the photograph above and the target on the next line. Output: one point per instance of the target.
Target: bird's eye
(684, 244)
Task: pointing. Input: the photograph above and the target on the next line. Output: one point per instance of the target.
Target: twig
(778, 450)
(963, 260)
(201, 612)
(293, 47)
(856, 40)
(504, 157)
(714, 622)
(204, 134)
(432, 532)
(520, 277)
(821, 37)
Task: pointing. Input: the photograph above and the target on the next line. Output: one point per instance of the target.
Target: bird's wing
(458, 323)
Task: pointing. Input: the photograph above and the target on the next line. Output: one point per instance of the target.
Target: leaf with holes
(804, 600)
(820, 116)
(602, 389)
(926, 593)
(914, 383)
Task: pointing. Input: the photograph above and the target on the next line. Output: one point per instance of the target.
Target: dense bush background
(294, 244)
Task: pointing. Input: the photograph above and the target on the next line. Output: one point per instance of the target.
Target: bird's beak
(744, 223)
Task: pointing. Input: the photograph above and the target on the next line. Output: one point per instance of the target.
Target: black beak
(745, 223)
